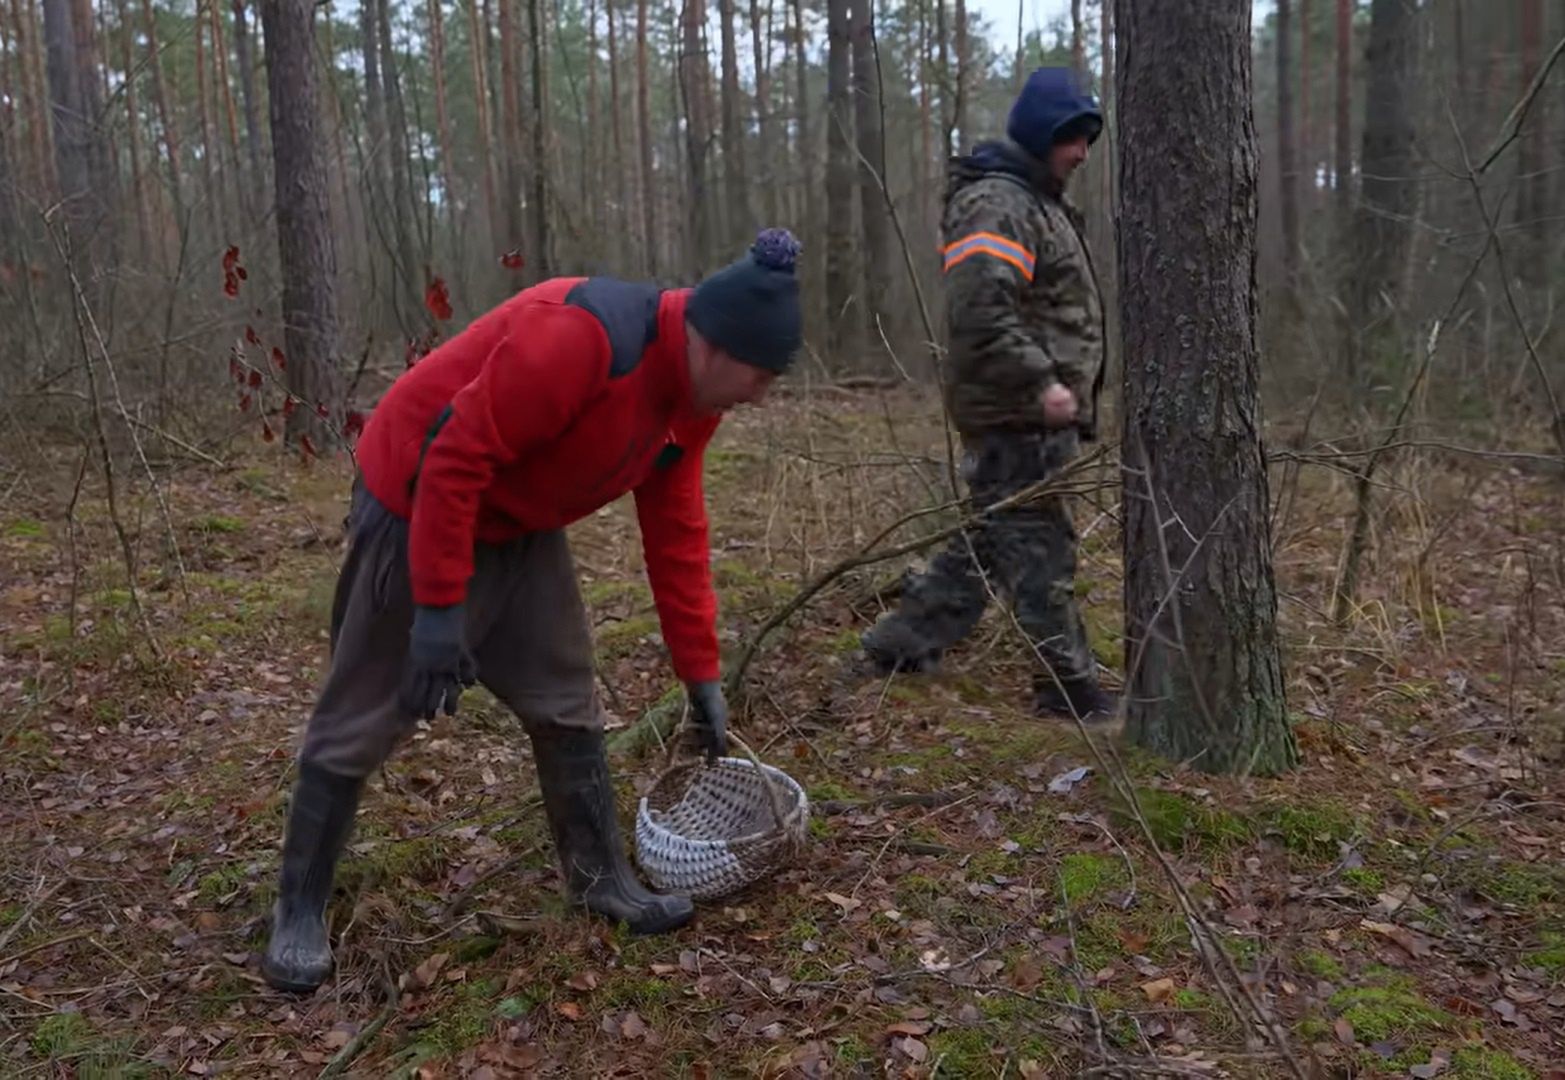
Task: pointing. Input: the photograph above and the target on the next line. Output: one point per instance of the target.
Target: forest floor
(970, 904)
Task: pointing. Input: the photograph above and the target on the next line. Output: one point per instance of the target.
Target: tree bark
(225, 96)
(215, 213)
(842, 305)
(160, 96)
(592, 136)
(763, 113)
(1287, 164)
(807, 137)
(242, 50)
(1307, 159)
(1387, 194)
(133, 127)
(404, 210)
(1533, 179)
(1205, 680)
(962, 59)
(304, 239)
(478, 37)
(947, 83)
(1110, 121)
(85, 205)
(649, 221)
(620, 164)
(738, 215)
(437, 50)
(875, 256)
(34, 101)
(1343, 174)
(1078, 40)
(511, 127)
(543, 261)
(693, 82)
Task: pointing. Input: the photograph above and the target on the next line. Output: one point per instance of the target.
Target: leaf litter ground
(976, 900)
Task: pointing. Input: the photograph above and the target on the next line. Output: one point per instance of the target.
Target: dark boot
(298, 957)
(892, 646)
(1081, 697)
(578, 797)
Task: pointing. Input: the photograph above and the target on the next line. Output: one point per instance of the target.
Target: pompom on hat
(750, 308)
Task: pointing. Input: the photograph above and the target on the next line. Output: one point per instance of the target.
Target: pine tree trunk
(478, 38)
(808, 140)
(1205, 681)
(871, 157)
(1110, 116)
(738, 199)
(304, 238)
(226, 97)
(1078, 40)
(620, 165)
(253, 148)
(592, 139)
(1533, 179)
(215, 212)
(72, 135)
(693, 82)
(1387, 195)
(962, 58)
(34, 100)
(842, 305)
(133, 127)
(544, 261)
(1344, 128)
(649, 220)
(923, 176)
(404, 212)
(1307, 159)
(1287, 166)
(437, 49)
(160, 96)
(763, 117)
(511, 128)
(947, 81)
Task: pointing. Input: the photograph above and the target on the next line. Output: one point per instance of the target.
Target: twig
(193, 451)
(833, 807)
(1518, 112)
(459, 902)
(344, 1057)
(1051, 486)
(108, 460)
(42, 945)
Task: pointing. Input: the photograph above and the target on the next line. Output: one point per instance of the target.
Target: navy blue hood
(1053, 103)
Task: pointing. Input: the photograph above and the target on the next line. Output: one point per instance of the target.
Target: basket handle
(779, 804)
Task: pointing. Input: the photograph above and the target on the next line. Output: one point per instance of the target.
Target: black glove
(439, 665)
(709, 718)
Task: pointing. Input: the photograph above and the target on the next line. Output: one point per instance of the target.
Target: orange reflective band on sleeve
(987, 243)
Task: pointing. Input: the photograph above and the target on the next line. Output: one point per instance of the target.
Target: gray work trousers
(526, 627)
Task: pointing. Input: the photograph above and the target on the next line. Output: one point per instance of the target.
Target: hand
(1059, 406)
(709, 718)
(439, 665)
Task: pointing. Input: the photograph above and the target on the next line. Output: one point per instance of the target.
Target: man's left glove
(709, 718)
(439, 665)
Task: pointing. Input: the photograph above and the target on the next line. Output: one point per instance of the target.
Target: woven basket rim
(779, 830)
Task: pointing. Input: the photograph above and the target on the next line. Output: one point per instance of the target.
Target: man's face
(718, 382)
(1067, 156)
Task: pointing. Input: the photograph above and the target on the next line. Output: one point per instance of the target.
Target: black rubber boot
(1082, 697)
(893, 647)
(298, 957)
(578, 797)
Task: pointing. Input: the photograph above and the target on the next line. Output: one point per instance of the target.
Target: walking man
(1025, 367)
(560, 400)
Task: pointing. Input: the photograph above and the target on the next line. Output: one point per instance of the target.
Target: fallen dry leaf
(1439, 1061)
(583, 980)
(905, 1027)
(569, 1009)
(846, 903)
(632, 1026)
(1158, 990)
(1415, 945)
(1344, 1032)
(425, 974)
(913, 1048)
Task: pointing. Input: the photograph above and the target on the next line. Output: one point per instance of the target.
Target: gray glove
(439, 665)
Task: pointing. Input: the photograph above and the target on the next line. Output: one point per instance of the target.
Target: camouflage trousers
(1027, 554)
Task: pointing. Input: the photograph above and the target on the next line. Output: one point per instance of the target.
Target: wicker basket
(705, 831)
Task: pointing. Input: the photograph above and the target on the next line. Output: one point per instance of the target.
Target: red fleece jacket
(557, 402)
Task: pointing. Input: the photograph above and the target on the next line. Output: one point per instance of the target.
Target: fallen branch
(345, 1057)
(833, 807)
(1052, 486)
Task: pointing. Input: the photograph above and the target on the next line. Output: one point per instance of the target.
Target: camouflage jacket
(1023, 310)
